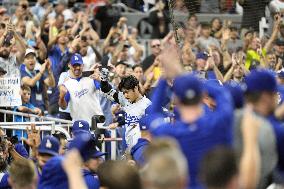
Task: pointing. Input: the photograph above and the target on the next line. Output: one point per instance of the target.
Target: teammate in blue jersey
(195, 131)
(48, 148)
(133, 103)
(90, 169)
(137, 151)
(53, 174)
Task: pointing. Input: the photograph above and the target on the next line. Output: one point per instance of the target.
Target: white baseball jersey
(84, 102)
(133, 114)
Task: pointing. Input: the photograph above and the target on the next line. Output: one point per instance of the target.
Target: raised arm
(72, 167)
(276, 28)
(250, 158)
(49, 81)
(138, 50)
(106, 87)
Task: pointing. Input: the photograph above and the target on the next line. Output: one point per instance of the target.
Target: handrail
(43, 126)
(36, 116)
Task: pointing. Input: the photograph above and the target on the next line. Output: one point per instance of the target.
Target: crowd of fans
(204, 112)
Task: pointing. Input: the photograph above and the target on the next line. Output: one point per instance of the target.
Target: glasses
(154, 46)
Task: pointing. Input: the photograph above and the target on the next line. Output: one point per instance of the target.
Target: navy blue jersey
(211, 129)
(138, 149)
(4, 181)
(91, 180)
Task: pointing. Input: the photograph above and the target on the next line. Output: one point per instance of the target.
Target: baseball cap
(236, 92)
(49, 145)
(213, 83)
(76, 59)
(80, 126)
(202, 55)
(53, 175)
(187, 87)
(29, 50)
(85, 143)
(121, 62)
(98, 154)
(280, 73)
(279, 42)
(260, 80)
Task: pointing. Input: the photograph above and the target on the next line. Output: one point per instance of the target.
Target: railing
(52, 125)
(44, 126)
(58, 122)
(113, 142)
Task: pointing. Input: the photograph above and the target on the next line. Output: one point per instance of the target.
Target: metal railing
(58, 122)
(45, 126)
(52, 125)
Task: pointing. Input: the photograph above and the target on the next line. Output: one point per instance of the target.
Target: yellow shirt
(157, 73)
(253, 55)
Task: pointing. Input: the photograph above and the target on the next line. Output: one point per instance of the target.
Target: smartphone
(87, 73)
(8, 38)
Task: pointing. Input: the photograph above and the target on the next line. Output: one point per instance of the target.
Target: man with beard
(10, 62)
(81, 93)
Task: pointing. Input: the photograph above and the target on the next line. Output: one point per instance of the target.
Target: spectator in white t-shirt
(81, 93)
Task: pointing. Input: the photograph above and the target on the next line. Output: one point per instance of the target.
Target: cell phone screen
(87, 73)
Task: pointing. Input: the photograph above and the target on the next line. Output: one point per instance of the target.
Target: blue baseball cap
(98, 154)
(212, 83)
(49, 145)
(187, 87)
(202, 55)
(53, 176)
(260, 80)
(80, 126)
(76, 59)
(236, 92)
(21, 150)
(85, 143)
(280, 73)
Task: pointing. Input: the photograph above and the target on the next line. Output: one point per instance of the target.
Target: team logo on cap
(48, 144)
(76, 57)
(190, 94)
(80, 124)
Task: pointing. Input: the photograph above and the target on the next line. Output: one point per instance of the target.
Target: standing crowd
(205, 113)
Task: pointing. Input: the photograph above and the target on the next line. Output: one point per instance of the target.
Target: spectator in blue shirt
(36, 79)
(26, 107)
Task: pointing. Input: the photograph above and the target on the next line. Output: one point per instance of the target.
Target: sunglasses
(154, 46)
